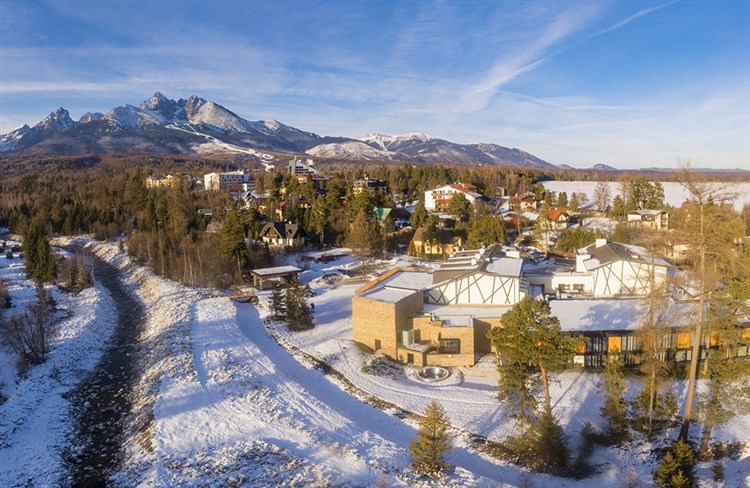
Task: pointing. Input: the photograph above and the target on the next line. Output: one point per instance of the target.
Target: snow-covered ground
(232, 405)
(674, 193)
(35, 424)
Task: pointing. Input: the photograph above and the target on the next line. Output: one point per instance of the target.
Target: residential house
(652, 219)
(282, 234)
(361, 185)
(444, 244)
(559, 218)
(523, 202)
(437, 200)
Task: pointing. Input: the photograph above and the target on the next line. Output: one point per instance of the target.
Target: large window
(630, 343)
(449, 346)
(596, 344)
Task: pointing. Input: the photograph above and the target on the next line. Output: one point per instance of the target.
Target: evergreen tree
(232, 240)
(543, 227)
(459, 207)
(363, 238)
(549, 445)
(429, 449)
(529, 341)
(278, 309)
(618, 207)
(613, 387)
(575, 202)
(620, 234)
(419, 217)
(298, 314)
(562, 199)
(40, 263)
(677, 469)
(486, 229)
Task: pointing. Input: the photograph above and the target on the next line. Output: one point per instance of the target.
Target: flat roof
(411, 280)
(388, 295)
(485, 311)
(276, 270)
(505, 266)
(610, 315)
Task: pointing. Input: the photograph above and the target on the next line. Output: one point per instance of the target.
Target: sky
(631, 84)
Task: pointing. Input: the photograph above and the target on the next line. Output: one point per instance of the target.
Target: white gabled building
(481, 277)
(234, 180)
(620, 269)
(439, 198)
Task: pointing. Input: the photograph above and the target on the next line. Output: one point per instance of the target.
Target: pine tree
(618, 207)
(419, 217)
(39, 261)
(429, 449)
(459, 207)
(232, 240)
(549, 444)
(529, 341)
(575, 202)
(620, 234)
(298, 314)
(613, 387)
(677, 469)
(278, 309)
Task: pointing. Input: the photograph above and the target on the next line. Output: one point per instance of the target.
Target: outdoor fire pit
(433, 374)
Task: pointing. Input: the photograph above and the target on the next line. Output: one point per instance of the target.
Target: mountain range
(195, 125)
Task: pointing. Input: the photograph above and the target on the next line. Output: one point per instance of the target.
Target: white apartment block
(234, 180)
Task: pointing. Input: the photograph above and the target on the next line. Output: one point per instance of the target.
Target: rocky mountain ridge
(196, 125)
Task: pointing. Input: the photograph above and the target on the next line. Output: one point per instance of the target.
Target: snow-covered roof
(647, 212)
(446, 311)
(505, 266)
(611, 252)
(611, 315)
(410, 280)
(388, 294)
(276, 270)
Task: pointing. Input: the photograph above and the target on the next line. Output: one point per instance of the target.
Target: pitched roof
(284, 229)
(613, 251)
(381, 213)
(444, 236)
(555, 213)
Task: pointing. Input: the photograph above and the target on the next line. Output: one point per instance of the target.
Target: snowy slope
(349, 150)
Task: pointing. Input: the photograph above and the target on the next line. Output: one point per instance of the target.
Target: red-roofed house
(558, 218)
(439, 198)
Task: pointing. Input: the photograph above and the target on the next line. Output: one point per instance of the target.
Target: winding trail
(102, 403)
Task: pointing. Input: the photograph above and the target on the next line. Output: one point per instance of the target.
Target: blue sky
(630, 84)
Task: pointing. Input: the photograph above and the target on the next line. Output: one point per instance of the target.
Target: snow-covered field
(232, 405)
(674, 193)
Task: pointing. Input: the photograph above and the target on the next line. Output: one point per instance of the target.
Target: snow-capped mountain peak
(160, 107)
(272, 124)
(386, 142)
(90, 117)
(57, 121)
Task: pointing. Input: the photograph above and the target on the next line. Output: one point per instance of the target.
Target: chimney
(601, 242)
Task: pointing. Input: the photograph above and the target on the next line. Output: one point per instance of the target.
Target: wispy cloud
(508, 68)
(635, 16)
